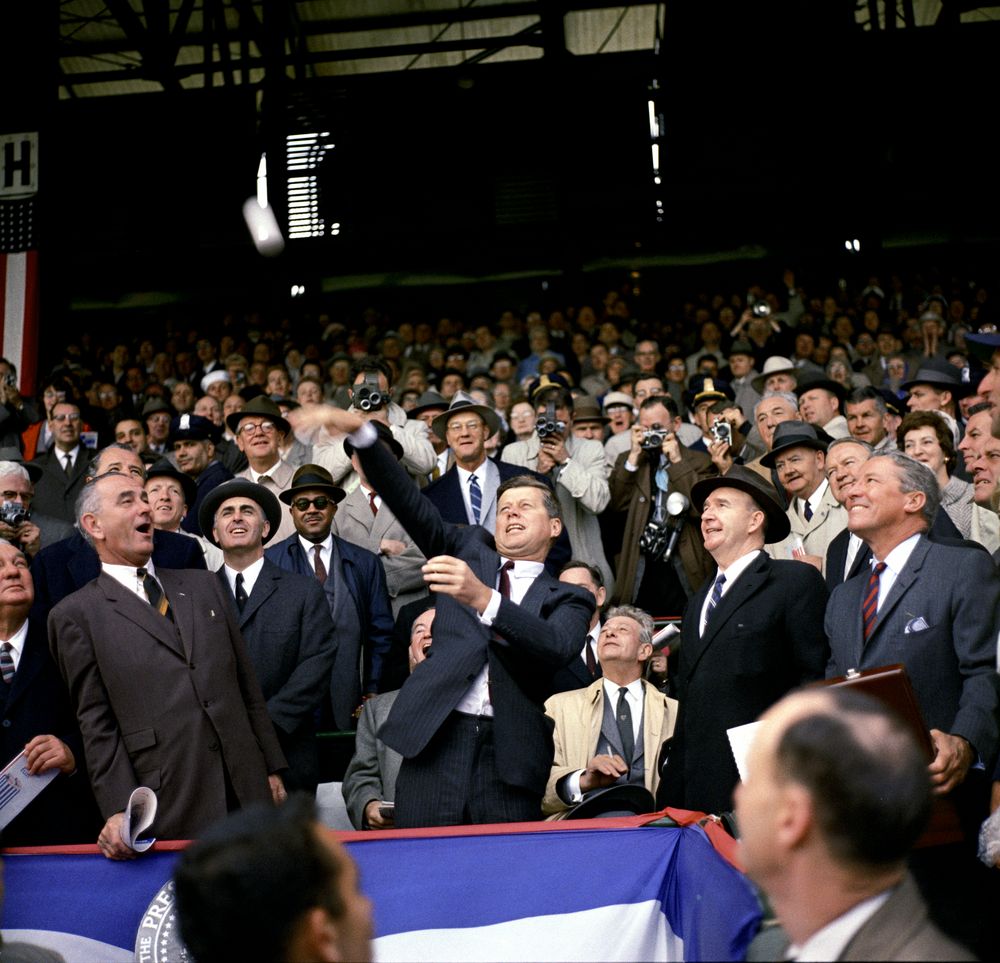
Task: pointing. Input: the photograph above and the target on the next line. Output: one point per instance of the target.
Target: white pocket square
(916, 625)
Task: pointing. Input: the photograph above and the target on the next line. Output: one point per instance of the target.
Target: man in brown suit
(164, 691)
(641, 484)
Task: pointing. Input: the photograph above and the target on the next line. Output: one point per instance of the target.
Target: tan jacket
(578, 715)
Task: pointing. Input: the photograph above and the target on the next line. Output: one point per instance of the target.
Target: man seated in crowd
(749, 636)
(282, 617)
(466, 494)
(28, 530)
(353, 582)
(260, 431)
(611, 733)
(272, 885)
(369, 785)
(617, 405)
(65, 566)
(835, 799)
(868, 418)
(160, 679)
(63, 466)
(469, 724)
(932, 607)
(815, 517)
(574, 465)
(582, 671)
(192, 439)
(655, 466)
(370, 398)
(429, 405)
(773, 409)
(38, 720)
(363, 519)
(821, 404)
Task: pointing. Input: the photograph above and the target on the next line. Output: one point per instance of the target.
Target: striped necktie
(476, 498)
(154, 593)
(716, 595)
(6, 663)
(869, 607)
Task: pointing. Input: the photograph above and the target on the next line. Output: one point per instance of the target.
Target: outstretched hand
(334, 419)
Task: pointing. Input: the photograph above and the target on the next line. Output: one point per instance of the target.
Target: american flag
(19, 255)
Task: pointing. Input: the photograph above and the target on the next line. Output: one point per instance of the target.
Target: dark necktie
(624, 716)
(589, 655)
(371, 501)
(241, 592)
(154, 593)
(68, 462)
(475, 498)
(808, 512)
(6, 663)
(504, 584)
(320, 567)
(716, 595)
(869, 607)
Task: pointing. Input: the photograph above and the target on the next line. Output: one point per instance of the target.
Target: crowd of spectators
(740, 467)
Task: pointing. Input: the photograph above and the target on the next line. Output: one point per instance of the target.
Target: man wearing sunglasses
(353, 582)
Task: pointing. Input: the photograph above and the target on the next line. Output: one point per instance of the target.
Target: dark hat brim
(827, 384)
(794, 441)
(942, 382)
(164, 469)
(628, 798)
(762, 492)
(239, 488)
(983, 346)
(258, 407)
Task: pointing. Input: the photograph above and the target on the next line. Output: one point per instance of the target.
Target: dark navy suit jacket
(66, 566)
(365, 579)
(37, 703)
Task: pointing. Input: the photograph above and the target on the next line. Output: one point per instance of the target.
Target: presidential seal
(157, 940)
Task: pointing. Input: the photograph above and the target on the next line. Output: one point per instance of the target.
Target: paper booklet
(18, 787)
(139, 815)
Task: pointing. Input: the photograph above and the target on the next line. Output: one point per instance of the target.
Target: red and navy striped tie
(869, 608)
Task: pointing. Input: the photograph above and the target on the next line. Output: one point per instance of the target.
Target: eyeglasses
(302, 504)
(65, 417)
(455, 427)
(251, 428)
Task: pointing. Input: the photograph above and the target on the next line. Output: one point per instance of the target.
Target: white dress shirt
(732, 573)
(250, 574)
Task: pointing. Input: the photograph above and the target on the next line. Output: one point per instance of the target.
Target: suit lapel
(28, 666)
(901, 586)
(181, 606)
(131, 607)
(265, 586)
(861, 560)
(743, 589)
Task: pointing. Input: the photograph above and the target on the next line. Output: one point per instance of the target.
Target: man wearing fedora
(418, 455)
(260, 431)
(589, 422)
(815, 517)
(192, 439)
(429, 405)
(576, 468)
(171, 492)
(936, 386)
(610, 733)
(779, 374)
(365, 520)
(353, 583)
(282, 617)
(821, 403)
(749, 635)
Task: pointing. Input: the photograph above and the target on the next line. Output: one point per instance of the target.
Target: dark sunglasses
(320, 501)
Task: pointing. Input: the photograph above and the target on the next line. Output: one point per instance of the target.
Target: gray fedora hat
(239, 488)
(772, 366)
(761, 491)
(460, 404)
(430, 400)
(939, 374)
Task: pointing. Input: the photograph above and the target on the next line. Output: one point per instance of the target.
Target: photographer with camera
(663, 560)
(24, 531)
(574, 465)
(371, 399)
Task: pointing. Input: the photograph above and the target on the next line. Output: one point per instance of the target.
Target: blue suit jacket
(526, 643)
(365, 579)
(940, 621)
(445, 495)
(66, 566)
